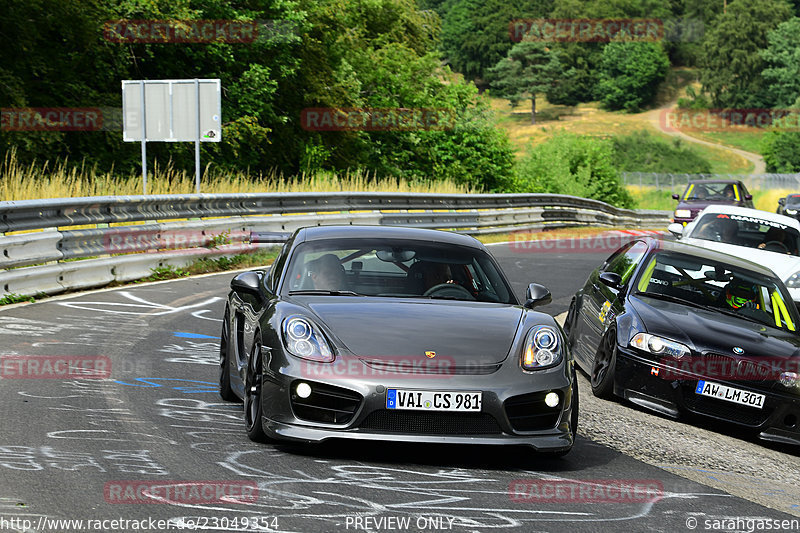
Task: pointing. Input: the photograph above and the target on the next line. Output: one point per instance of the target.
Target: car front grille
(326, 404)
(739, 369)
(426, 423)
(528, 412)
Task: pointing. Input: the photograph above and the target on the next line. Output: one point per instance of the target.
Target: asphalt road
(78, 449)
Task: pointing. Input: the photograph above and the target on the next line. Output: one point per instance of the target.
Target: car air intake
(326, 404)
(528, 412)
(425, 423)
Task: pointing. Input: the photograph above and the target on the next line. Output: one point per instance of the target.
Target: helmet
(739, 293)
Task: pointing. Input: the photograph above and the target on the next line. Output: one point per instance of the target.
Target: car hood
(375, 328)
(708, 331)
(783, 265)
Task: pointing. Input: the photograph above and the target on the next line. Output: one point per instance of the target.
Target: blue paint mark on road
(185, 335)
(195, 387)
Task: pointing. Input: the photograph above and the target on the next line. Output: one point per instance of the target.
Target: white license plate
(723, 392)
(419, 400)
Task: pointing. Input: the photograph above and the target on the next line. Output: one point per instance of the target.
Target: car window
(711, 191)
(750, 231)
(718, 286)
(385, 268)
(625, 263)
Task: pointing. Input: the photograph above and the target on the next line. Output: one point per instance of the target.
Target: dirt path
(654, 116)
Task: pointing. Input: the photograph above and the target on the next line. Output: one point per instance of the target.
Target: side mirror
(676, 229)
(676, 196)
(537, 295)
(782, 201)
(611, 279)
(748, 196)
(247, 282)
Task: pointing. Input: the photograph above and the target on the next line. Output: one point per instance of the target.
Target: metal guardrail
(678, 181)
(36, 236)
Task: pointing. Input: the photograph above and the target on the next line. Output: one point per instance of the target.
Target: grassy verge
(652, 198)
(60, 180)
(748, 141)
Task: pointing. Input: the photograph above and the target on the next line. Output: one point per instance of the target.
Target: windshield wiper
(323, 292)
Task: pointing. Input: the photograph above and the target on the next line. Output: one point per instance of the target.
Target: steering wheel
(776, 244)
(444, 290)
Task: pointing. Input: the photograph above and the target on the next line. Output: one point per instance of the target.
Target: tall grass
(652, 198)
(61, 179)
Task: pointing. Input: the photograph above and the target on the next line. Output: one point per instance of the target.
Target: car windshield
(793, 201)
(749, 231)
(396, 269)
(712, 192)
(718, 286)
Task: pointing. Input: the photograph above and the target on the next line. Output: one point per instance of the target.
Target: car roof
(706, 253)
(695, 182)
(316, 233)
(748, 212)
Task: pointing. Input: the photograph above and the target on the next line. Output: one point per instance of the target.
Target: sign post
(172, 111)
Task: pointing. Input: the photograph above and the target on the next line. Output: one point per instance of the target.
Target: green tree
(476, 33)
(731, 63)
(630, 73)
(529, 69)
(782, 57)
(570, 164)
(780, 146)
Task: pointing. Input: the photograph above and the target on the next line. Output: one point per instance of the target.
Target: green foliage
(781, 146)
(569, 164)
(694, 100)
(475, 33)
(731, 63)
(630, 73)
(220, 239)
(529, 69)
(161, 273)
(12, 298)
(782, 57)
(642, 152)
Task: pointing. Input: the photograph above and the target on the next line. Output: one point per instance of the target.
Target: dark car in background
(395, 334)
(789, 206)
(702, 193)
(679, 329)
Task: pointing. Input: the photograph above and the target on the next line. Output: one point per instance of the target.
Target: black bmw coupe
(681, 329)
(400, 334)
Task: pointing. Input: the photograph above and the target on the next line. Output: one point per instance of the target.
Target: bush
(630, 73)
(570, 164)
(642, 152)
(781, 150)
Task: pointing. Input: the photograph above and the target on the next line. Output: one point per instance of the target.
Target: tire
(225, 391)
(603, 366)
(253, 384)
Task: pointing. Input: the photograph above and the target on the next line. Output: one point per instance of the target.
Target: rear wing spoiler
(269, 237)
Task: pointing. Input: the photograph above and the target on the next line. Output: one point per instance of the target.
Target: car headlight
(542, 348)
(790, 380)
(791, 211)
(683, 213)
(794, 281)
(659, 345)
(303, 340)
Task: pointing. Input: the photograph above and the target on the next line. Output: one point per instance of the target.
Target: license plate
(723, 392)
(418, 400)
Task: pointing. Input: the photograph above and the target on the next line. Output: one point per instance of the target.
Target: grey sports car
(400, 334)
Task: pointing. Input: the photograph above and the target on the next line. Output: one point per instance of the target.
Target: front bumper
(512, 411)
(655, 386)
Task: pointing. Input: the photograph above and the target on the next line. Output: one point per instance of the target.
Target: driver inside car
(778, 240)
(741, 295)
(424, 275)
(327, 273)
